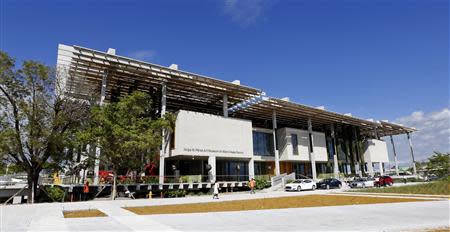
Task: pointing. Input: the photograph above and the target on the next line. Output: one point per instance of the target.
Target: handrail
(15, 194)
(276, 180)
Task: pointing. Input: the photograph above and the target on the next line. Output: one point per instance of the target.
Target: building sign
(212, 151)
(205, 134)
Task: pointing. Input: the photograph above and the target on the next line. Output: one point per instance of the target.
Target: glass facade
(263, 144)
(231, 170)
(264, 168)
(294, 142)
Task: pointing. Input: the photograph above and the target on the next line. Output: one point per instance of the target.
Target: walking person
(216, 191)
(252, 185)
(86, 191)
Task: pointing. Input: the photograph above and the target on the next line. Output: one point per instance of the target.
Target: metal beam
(274, 132)
(335, 156)
(225, 105)
(395, 156)
(312, 157)
(162, 152)
(97, 148)
(412, 153)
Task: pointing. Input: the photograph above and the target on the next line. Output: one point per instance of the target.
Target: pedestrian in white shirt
(216, 191)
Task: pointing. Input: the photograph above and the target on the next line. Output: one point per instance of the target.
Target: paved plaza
(377, 217)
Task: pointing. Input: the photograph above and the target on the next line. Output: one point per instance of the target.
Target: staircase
(278, 182)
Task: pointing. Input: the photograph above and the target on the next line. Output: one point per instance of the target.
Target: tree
(36, 119)
(124, 130)
(439, 164)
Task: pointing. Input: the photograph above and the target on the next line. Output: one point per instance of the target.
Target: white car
(299, 185)
(363, 183)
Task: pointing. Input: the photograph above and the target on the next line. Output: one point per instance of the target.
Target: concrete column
(360, 152)
(395, 156)
(251, 168)
(412, 153)
(275, 147)
(335, 157)
(225, 105)
(312, 157)
(357, 153)
(370, 168)
(212, 172)
(162, 152)
(381, 168)
(97, 149)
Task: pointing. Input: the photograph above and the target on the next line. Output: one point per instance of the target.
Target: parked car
(432, 178)
(362, 183)
(384, 181)
(299, 185)
(329, 183)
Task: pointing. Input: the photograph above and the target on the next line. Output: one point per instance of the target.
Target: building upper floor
(200, 134)
(86, 72)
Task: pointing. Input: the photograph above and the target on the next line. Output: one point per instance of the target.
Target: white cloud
(246, 12)
(145, 55)
(433, 135)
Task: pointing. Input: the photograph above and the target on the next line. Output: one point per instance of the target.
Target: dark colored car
(432, 178)
(384, 181)
(329, 183)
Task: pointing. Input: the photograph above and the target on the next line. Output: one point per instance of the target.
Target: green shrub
(55, 193)
(175, 193)
(150, 180)
(125, 181)
(261, 183)
(184, 179)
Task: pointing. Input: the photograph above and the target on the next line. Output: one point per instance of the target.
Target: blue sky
(382, 59)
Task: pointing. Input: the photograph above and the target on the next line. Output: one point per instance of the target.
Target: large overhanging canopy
(87, 67)
(297, 115)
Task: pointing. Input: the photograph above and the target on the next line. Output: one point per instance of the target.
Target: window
(294, 142)
(263, 144)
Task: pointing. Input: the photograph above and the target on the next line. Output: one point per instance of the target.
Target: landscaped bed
(265, 203)
(441, 187)
(84, 213)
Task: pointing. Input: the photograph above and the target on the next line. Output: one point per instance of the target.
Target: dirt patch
(266, 203)
(443, 229)
(84, 213)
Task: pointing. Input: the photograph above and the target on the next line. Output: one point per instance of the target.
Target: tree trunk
(32, 179)
(114, 187)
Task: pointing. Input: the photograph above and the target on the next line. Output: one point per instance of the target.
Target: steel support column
(212, 172)
(335, 153)
(357, 152)
(162, 152)
(380, 164)
(225, 105)
(251, 168)
(312, 157)
(97, 148)
(275, 145)
(395, 156)
(412, 153)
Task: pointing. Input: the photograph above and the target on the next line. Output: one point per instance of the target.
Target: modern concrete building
(226, 131)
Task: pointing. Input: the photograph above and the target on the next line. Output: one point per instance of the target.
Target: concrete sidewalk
(396, 216)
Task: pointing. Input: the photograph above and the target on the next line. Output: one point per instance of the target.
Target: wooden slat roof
(195, 92)
(87, 67)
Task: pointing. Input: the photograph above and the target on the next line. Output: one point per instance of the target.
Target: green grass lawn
(441, 187)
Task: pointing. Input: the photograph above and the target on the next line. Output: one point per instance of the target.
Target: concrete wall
(376, 151)
(287, 151)
(202, 134)
(320, 147)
